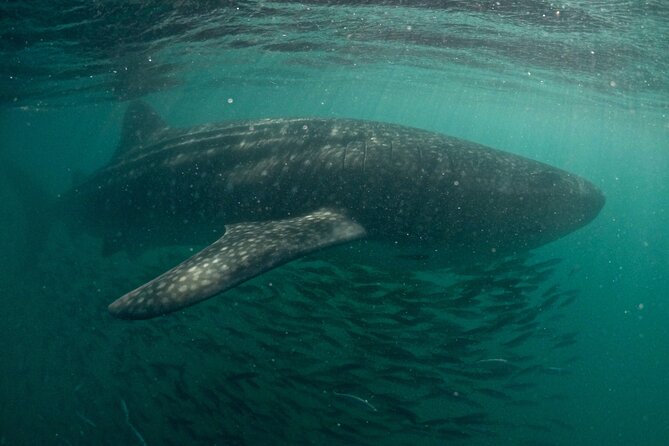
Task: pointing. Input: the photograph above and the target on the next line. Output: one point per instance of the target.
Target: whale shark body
(261, 193)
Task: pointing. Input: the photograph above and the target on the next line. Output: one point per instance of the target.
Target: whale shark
(260, 193)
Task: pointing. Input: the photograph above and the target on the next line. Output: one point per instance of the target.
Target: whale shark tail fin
(141, 125)
(244, 251)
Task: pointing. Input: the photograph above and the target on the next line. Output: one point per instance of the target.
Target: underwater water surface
(566, 345)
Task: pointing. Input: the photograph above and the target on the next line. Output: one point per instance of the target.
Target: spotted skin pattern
(268, 191)
(246, 250)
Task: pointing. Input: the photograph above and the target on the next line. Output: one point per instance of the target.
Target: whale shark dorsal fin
(244, 251)
(140, 123)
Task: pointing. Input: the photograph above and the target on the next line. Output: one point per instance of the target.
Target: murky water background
(567, 346)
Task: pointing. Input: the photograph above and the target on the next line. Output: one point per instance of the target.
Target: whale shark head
(560, 203)
(529, 207)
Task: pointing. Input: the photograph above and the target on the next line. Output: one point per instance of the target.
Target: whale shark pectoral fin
(244, 251)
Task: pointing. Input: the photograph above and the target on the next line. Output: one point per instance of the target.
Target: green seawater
(322, 350)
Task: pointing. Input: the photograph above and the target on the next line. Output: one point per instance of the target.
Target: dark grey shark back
(271, 190)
